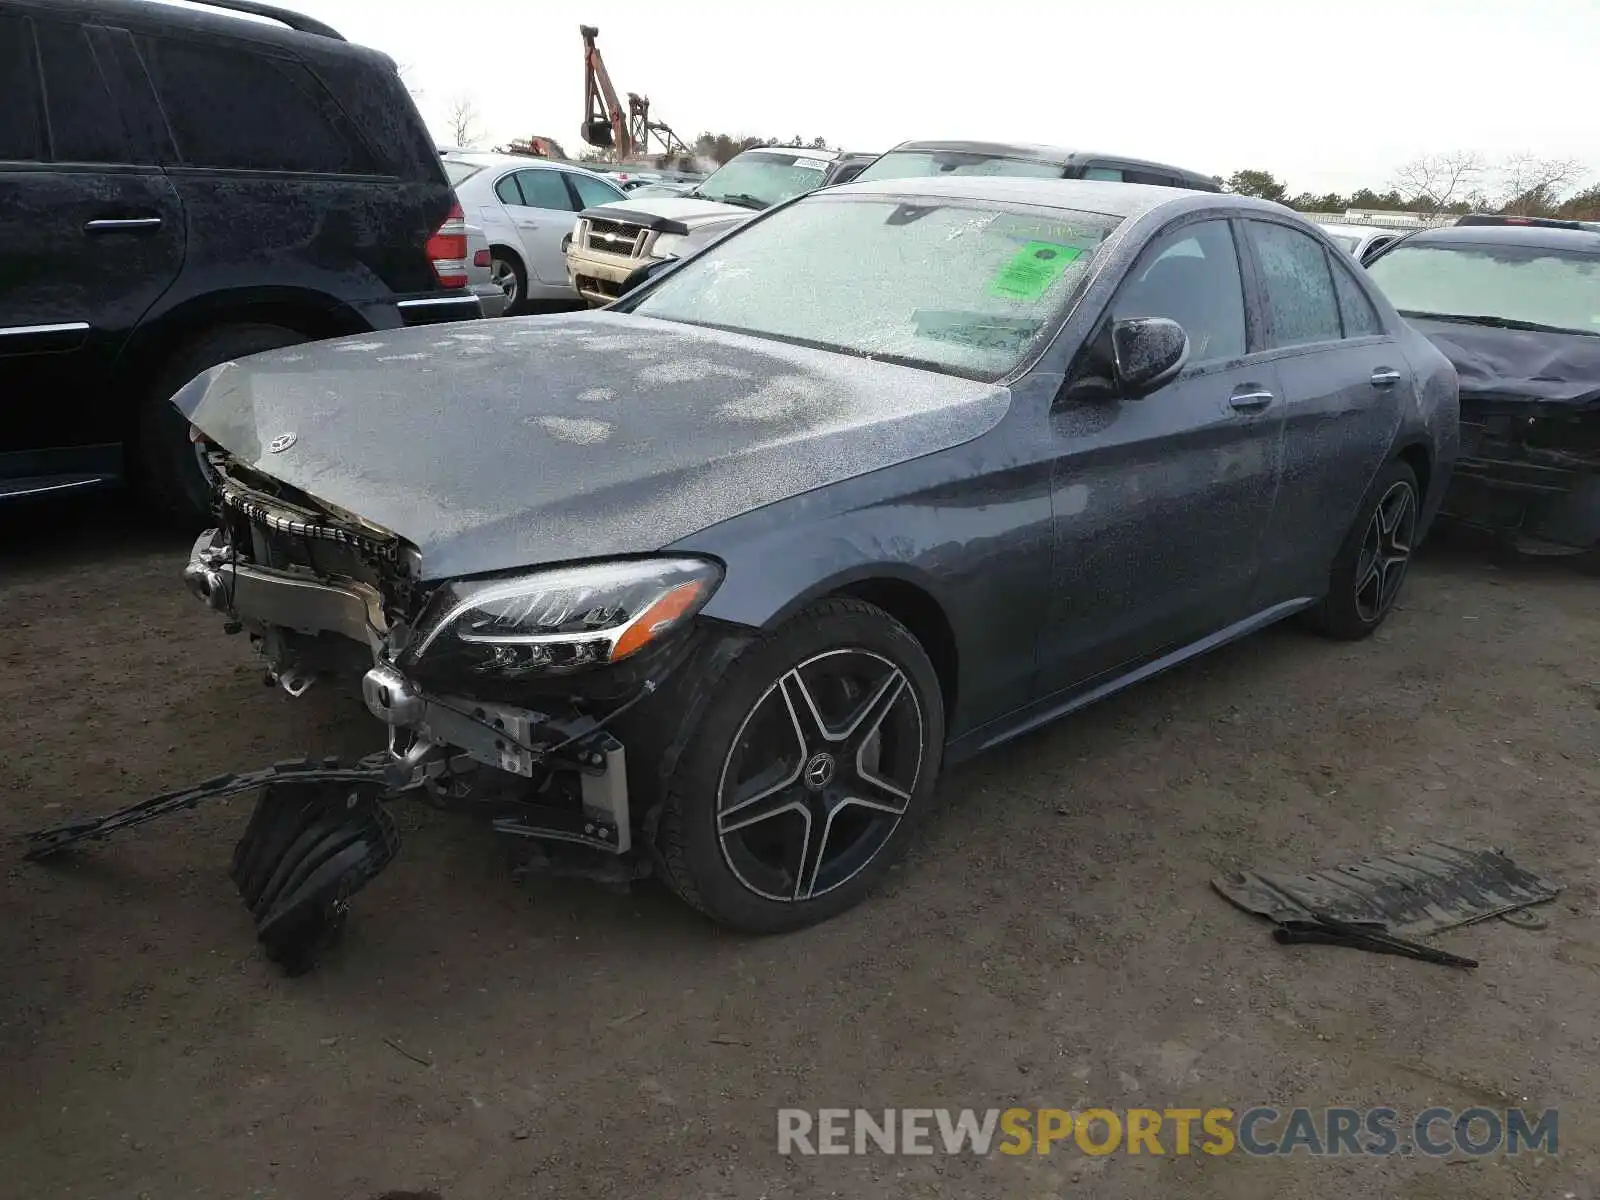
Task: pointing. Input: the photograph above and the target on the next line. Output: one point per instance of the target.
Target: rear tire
(1366, 576)
(506, 269)
(766, 831)
(170, 465)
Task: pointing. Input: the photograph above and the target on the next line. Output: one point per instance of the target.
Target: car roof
(811, 150)
(1538, 236)
(489, 159)
(1085, 195)
(263, 26)
(1359, 230)
(1058, 155)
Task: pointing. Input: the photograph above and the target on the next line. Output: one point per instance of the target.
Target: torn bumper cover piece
(1380, 901)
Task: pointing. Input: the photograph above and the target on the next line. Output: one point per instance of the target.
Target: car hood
(543, 439)
(1559, 370)
(668, 213)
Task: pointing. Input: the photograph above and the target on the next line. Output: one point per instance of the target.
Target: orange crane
(605, 124)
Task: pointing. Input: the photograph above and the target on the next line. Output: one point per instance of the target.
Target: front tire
(807, 772)
(1365, 578)
(173, 476)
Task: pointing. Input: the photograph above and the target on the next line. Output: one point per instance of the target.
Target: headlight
(666, 245)
(562, 619)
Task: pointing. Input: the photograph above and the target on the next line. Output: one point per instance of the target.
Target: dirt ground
(1052, 940)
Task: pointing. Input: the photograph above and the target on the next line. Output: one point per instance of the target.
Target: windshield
(458, 172)
(961, 287)
(909, 164)
(759, 179)
(1541, 286)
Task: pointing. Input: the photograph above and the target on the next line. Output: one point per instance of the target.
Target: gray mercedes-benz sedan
(716, 580)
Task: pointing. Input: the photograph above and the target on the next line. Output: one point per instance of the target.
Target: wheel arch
(907, 600)
(315, 314)
(511, 252)
(1417, 455)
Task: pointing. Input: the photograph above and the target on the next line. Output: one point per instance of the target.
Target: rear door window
(506, 190)
(1359, 316)
(1152, 177)
(1301, 305)
(237, 110)
(21, 131)
(544, 189)
(84, 123)
(1104, 174)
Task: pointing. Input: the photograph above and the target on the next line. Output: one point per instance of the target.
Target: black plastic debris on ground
(1376, 903)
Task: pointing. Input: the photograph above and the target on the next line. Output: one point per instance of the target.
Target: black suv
(181, 188)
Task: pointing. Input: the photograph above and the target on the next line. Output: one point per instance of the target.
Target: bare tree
(1531, 186)
(1434, 182)
(463, 121)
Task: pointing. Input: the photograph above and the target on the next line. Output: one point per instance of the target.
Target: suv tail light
(447, 248)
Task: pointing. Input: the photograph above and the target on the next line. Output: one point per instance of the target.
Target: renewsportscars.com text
(1260, 1131)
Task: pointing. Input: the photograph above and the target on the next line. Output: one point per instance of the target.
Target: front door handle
(1250, 399)
(1385, 377)
(122, 224)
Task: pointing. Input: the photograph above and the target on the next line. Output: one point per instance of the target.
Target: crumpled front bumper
(265, 599)
(1528, 473)
(428, 733)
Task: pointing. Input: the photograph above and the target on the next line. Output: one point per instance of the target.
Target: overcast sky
(1326, 96)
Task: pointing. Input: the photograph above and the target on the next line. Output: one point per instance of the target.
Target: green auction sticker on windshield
(1032, 270)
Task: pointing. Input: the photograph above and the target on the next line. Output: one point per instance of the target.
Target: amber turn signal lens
(658, 618)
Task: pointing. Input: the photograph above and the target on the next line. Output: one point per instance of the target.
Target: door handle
(1250, 399)
(122, 224)
(1385, 377)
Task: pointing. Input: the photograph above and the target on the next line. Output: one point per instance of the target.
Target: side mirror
(1147, 353)
(642, 275)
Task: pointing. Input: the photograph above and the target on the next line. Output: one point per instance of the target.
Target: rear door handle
(1250, 399)
(1385, 377)
(122, 224)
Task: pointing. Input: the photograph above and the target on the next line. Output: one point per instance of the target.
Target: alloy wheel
(819, 774)
(505, 276)
(1385, 552)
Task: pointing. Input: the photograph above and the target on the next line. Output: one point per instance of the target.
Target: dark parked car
(181, 188)
(1515, 305)
(885, 478)
(934, 159)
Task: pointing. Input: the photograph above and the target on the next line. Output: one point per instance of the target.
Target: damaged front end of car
(502, 696)
(499, 690)
(1529, 472)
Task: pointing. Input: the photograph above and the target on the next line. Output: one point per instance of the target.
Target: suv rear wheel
(172, 466)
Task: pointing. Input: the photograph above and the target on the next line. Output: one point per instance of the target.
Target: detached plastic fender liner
(305, 852)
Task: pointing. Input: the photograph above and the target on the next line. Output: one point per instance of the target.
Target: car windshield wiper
(1498, 322)
(742, 199)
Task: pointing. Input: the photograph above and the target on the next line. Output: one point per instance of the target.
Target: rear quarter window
(21, 130)
(236, 109)
(84, 123)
